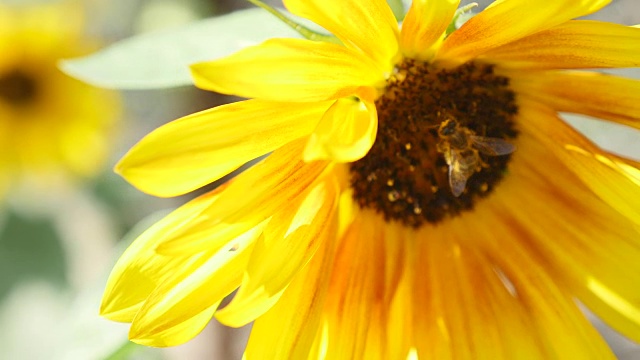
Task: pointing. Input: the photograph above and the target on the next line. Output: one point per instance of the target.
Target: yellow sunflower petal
(177, 309)
(179, 333)
(201, 233)
(252, 197)
(612, 306)
(569, 335)
(599, 171)
(598, 258)
(198, 149)
(400, 314)
(594, 94)
(300, 307)
(595, 261)
(495, 305)
(573, 45)
(140, 269)
(365, 292)
(401, 311)
(291, 238)
(424, 25)
(289, 70)
(462, 309)
(345, 133)
(509, 20)
(368, 26)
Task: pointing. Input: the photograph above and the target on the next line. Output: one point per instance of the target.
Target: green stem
(302, 30)
(460, 12)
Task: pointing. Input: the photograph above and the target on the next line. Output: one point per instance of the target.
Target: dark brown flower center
(435, 133)
(18, 88)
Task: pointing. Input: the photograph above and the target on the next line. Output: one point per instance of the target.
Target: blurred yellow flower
(393, 216)
(52, 126)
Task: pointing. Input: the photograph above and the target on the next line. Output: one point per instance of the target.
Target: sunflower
(421, 196)
(51, 126)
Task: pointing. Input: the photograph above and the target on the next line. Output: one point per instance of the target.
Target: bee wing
(492, 146)
(457, 181)
(459, 172)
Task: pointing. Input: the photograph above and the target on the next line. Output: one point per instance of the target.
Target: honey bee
(462, 147)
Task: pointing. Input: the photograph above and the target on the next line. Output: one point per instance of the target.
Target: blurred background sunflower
(65, 218)
(53, 128)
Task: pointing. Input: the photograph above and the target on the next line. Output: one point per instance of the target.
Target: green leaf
(30, 248)
(162, 59)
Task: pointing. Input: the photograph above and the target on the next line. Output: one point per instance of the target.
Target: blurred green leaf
(398, 8)
(132, 351)
(161, 59)
(30, 249)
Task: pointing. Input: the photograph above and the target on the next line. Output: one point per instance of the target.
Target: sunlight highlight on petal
(614, 300)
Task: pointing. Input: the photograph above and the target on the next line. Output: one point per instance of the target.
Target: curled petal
(346, 132)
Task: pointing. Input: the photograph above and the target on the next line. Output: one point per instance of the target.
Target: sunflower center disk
(17, 88)
(429, 119)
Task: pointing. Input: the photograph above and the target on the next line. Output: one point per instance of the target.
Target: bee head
(448, 127)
